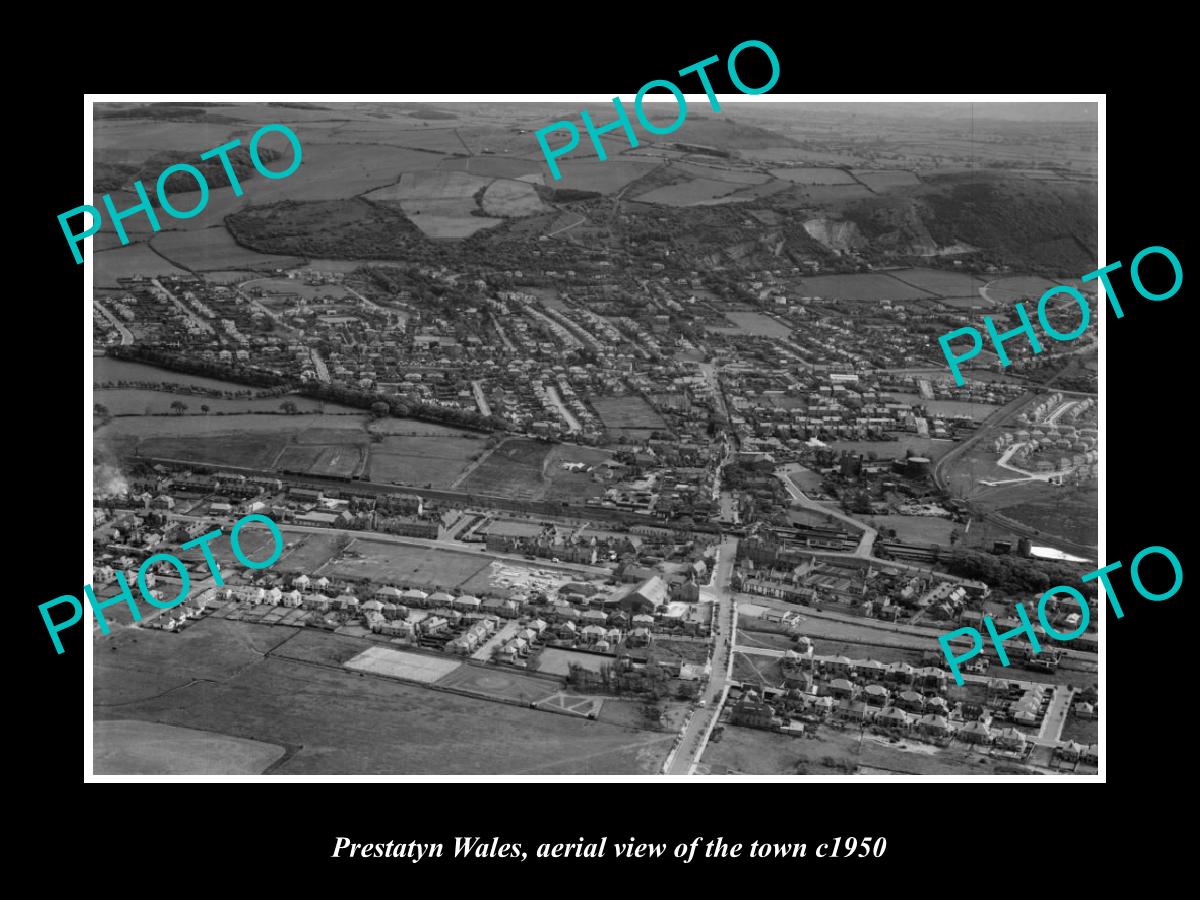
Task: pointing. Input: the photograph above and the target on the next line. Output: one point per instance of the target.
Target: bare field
(886, 179)
(603, 176)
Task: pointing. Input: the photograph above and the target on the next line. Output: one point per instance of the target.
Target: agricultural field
(868, 287)
(130, 747)
(941, 281)
(627, 414)
(1007, 291)
(495, 167)
(511, 199)
(430, 185)
(689, 193)
(881, 180)
(808, 175)
(199, 427)
(602, 176)
(403, 564)
(418, 461)
(376, 725)
(257, 452)
(514, 469)
(337, 460)
(126, 262)
(717, 172)
(200, 250)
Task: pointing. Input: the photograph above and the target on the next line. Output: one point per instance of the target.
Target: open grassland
(202, 250)
(417, 461)
(514, 469)
(627, 413)
(604, 177)
(343, 722)
(129, 747)
(125, 262)
(689, 193)
(337, 460)
(940, 281)
(395, 563)
(809, 175)
(886, 179)
(758, 752)
(257, 452)
(511, 199)
(867, 287)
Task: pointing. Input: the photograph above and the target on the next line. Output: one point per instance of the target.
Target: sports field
(214, 678)
(396, 563)
(403, 664)
(502, 684)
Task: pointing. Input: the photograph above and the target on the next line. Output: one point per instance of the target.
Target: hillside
(116, 176)
(340, 229)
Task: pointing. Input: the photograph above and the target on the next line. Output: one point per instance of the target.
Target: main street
(704, 718)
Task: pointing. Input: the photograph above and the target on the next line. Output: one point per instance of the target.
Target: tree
(100, 411)
(380, 409)
(288, 407)
(204, 408)
(178, 407)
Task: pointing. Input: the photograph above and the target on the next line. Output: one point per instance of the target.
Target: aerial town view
(656, 469)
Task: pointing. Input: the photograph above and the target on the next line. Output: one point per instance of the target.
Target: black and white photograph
(659, 438)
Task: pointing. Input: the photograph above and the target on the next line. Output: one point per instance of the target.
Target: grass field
(757, 324)
(417, 460)
(382, 561)
(604, 177)
(135, 401)
(689, 193)
(755, 670)
(129, 747)
(337, 460)
(555, 660)
(807, 175)
(940, 281)
(918, 529)
(886, 179)
(200, 427)
(514, 469)
(511, 199)
(214, 248)
(346, 722)
(404, 664)
(721, 173)
(866, 287)
(231, 450)
(125, 262)
(627, 413)
(306, 552)
(503, 684)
